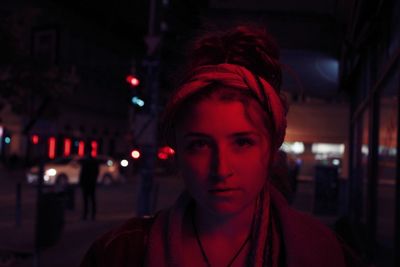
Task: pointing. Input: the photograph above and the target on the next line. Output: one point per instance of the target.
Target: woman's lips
(223, 191)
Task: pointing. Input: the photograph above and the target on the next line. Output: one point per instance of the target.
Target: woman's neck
(231, 225)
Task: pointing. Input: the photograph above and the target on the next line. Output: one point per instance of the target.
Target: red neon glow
(81, 149)
(52, 147)
(170, 150)
(94, 146)
(67, 147)
(162, 156)
(35, 139)
(132, 80)
(165, 152)
(135, 154)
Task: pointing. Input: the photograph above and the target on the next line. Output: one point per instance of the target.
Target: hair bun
(248, 46)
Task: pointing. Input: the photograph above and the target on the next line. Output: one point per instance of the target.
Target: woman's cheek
(195, 167)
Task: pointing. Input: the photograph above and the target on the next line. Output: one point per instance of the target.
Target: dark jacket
(126, 246)
(123, 246)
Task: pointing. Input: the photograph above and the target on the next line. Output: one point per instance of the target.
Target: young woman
(226, 122)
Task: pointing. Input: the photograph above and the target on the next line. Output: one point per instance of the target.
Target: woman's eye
(244, 142)
(195, 145)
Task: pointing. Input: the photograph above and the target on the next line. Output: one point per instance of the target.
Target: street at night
(125, 100)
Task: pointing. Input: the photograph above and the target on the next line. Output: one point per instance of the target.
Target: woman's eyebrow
(244, 133)
(234, 134)
(195, 134)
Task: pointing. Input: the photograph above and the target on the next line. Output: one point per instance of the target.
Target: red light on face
(52, 147)
(67, 147)
(135, 154)
(35, 139)
(132, 80)
(94, 146)
(81, 149)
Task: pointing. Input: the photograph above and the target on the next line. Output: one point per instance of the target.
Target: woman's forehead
(214, 114)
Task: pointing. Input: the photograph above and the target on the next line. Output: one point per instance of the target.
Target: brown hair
(249, 46)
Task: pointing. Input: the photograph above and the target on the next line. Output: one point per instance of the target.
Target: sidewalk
(115, 205)
(76, 238)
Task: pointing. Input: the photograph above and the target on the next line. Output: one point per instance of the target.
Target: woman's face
(222, 156)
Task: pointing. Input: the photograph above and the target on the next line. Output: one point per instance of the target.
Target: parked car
(63, 171)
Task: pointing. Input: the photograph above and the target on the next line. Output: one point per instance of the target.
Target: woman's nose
(221, 166)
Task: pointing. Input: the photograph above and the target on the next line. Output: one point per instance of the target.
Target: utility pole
(145, 203)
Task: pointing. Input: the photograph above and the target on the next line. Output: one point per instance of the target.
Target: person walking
(87, 182)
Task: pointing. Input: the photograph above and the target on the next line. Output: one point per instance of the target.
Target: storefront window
(293, 147)
(387, 174)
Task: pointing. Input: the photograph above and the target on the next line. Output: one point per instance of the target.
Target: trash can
(326, 190)
(69, 197)
(50, 219)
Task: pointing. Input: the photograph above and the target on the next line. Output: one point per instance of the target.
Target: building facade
(78, 100)
(371, 74)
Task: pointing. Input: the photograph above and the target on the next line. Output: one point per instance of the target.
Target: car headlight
(124, 163)
(51, 172)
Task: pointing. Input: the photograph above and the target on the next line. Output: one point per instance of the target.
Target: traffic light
(133, 80)
(137, 98)
(7, 139)
(137, 101)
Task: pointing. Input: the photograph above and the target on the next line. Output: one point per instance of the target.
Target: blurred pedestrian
(284, 174)
(280, 176)
(88, 181)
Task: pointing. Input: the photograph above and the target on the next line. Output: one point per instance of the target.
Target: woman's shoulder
(306, 238)
(310, 237)
(124, 245)
(301, 223)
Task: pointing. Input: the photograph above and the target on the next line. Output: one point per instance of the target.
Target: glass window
(323, 148)
(387, 175)
(363, 170)
(328, 154)
(359, 161)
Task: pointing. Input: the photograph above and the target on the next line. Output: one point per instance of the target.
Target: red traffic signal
(132, 80)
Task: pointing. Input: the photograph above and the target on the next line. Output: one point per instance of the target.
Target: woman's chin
(224, 209)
